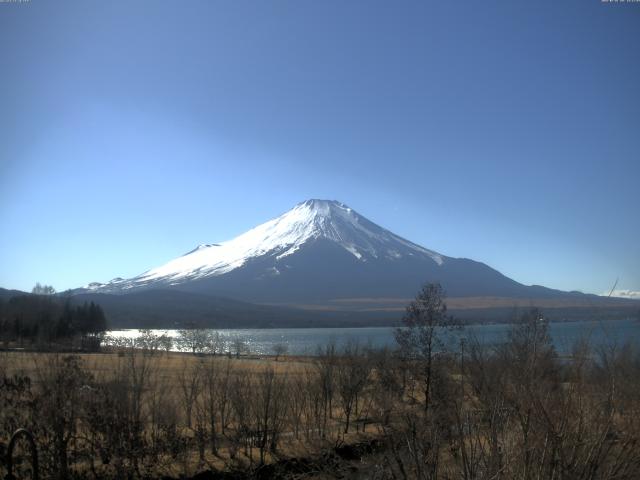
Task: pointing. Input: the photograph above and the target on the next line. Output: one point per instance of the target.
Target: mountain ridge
(283, 236)
(318, 252)
(174, 309)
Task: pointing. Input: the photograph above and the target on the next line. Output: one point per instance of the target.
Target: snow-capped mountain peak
(280, 237)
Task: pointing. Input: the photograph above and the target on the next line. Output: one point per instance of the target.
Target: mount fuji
(320, 254)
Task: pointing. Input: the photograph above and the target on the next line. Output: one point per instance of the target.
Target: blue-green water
(306, 341)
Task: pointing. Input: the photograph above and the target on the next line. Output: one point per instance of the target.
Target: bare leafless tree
(352, 374)
(190, 379)
(280, 349)
(419, 338)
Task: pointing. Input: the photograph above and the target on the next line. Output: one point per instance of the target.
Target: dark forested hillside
(48, 319)
(176, 309)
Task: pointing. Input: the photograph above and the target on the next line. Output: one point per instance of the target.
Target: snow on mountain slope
(281, 237)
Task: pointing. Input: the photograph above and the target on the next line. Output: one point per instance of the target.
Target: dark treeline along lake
(306, 341)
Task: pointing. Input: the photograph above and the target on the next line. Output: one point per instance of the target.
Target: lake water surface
(306, 341)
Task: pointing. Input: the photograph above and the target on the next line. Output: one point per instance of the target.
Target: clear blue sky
(503, 131)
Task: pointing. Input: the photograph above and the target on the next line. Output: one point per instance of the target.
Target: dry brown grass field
(517, 410)
(26, 362)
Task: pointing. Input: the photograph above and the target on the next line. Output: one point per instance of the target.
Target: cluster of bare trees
(134, 415)
(512, 410)
(194, 340)
(473, 411)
